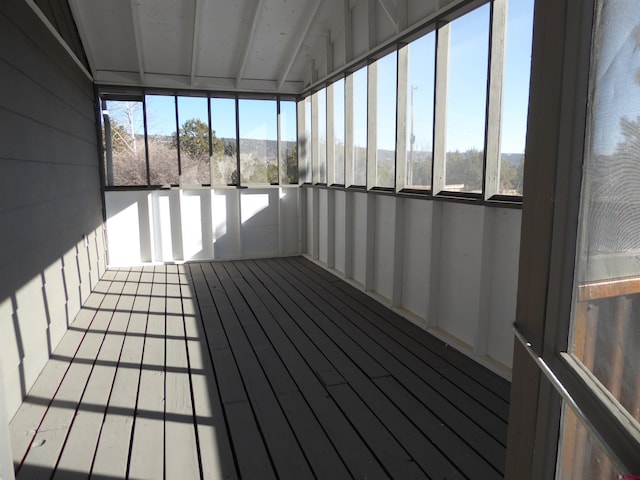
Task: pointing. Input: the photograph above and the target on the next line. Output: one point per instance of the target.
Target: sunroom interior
(331, 199)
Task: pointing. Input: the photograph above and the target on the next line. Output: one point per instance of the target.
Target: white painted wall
(449, 267)
(201, 224)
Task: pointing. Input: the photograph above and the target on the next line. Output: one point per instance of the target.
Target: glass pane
(466, 100)
(321, 149)
(360, 127)
(580, 455)
(605, 331)
(515, 95)
(224, 155)
(386, 121)
(193, 118)
(288, 143)
(123, 134)
(258, 141)
(161, 133)
(420, 88)
(338, 131)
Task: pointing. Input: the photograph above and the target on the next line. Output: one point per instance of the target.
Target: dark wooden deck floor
(255, 369)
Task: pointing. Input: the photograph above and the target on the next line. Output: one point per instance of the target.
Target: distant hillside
(513, 158)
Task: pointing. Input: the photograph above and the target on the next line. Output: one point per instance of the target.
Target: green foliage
(272, 173)
(291, 165)
(511, 177)
(465, 168)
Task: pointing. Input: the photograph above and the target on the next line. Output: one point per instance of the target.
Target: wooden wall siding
(255, 369)
(53, 249)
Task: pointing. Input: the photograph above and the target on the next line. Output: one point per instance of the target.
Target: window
(258, 141)
(162, 139)
(193, 120)
(288, 143)
(466, 101)
(123, 136)
(420, 88)
(224, 150)
(386, 83)
(515, 95)
(359, 127)
(338, 132)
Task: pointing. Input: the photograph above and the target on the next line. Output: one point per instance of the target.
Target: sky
(466, 96)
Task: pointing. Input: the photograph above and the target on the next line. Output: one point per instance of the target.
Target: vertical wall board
(359, 237)
(310, 232)
(460, 269)
(289, 220)
(259, 222)
(197, 228)
(6, 456)
(225, 211)
(31, 320)
(323, 225)
(416, 245)
(506, 244)
(339, 231)
(384, 245)
(71, 282)
(55, 302)
(10, 346)
(128, 230)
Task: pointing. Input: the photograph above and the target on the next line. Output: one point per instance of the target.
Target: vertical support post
(494, 99)
(331, 137)
(348, 134)
(372, 125)
(315, 140)
(401, 132)
(440, 110)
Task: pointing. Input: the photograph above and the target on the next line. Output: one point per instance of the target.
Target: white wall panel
(460, 268)
(384, 245)
(359, 237)
(289, 220)
(416, 266)
(323, 224)
(197, 224)
(339, 233)
(259, 222)
(225, 211)
(504, 282)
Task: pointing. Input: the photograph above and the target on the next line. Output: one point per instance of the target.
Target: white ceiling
(236, 45)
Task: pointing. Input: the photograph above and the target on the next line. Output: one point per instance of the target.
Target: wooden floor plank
(472, 370)
(112, 454)
(281, 443)
(476, 436)
(322, 456)
(83, 437)
(147, 449)
(255, 369)
(181, 452)
(484, 432)
(430, 365)
(216, 455)
(252, 458)
(431, 460)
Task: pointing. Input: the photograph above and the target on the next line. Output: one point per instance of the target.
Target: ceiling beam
(302, 34)
(245, 54)
(135, 17)
(197, 28)
(75, 11)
